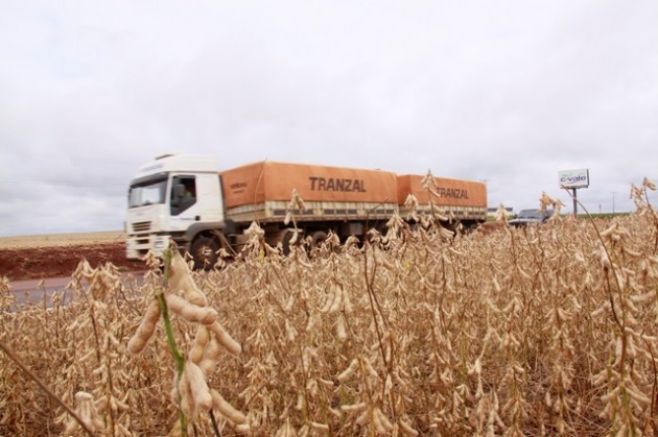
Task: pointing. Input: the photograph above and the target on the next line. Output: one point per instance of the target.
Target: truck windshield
(147, 192)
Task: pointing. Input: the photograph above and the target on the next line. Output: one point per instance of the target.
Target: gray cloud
(508, 93)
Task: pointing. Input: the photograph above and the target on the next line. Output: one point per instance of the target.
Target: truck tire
(204, 252)
(318, 238)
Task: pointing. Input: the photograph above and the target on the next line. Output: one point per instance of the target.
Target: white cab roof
(178, 163)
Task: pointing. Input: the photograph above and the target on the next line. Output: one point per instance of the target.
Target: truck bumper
(138, 245)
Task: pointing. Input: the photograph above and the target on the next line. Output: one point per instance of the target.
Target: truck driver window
(183, 193)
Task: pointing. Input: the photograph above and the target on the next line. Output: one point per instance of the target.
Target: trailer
(458, 200)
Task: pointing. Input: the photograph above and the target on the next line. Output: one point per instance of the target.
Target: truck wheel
(204, 252)
(318, 238)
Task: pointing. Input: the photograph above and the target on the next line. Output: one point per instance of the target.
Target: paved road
(34, 291)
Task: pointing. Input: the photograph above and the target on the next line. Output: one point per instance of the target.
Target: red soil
(56, 261)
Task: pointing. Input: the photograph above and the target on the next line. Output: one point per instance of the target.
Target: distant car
(530, 216)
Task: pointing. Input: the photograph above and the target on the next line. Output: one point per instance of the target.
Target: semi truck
(185, 199)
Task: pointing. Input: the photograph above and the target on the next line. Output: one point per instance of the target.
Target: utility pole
(613, 202)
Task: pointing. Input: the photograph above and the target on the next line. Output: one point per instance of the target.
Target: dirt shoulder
(49, 261)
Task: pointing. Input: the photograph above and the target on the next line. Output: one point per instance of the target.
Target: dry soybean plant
(544, 330)
(190, 391)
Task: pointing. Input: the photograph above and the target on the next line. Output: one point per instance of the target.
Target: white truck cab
(174, 197)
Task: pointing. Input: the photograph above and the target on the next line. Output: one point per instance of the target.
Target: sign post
(574, 179)
(575, 202)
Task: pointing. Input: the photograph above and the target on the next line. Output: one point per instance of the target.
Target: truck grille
(141, 227)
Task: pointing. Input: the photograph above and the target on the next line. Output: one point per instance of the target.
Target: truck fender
(198, 228)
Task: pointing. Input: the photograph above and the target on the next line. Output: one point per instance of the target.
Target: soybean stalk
(44, 387)
(171, 340)
(215, 428)
(372, 305)
(614, 273)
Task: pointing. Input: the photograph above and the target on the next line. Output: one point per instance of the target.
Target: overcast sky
(509, 92)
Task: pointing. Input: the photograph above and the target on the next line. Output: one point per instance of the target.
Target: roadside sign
(574, 178)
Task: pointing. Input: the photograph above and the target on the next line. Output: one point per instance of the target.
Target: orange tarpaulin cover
(256, 183)
(452, 192)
